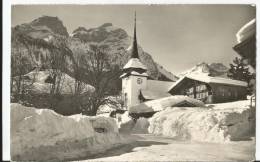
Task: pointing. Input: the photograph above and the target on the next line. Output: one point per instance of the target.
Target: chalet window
(201, 88)
(201, 91)
(222, 91)
(202, 95)
(236, 94)
(190, 90)
(229, 93)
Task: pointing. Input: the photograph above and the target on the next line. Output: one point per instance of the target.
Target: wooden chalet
(210, 89)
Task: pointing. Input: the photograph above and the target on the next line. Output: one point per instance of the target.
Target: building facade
(210, 89)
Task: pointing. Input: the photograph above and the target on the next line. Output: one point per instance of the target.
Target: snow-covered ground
(223, 132)
(216, 123)
(147, 147)
(42, 134)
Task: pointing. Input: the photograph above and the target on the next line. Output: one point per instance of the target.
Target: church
(137, 88)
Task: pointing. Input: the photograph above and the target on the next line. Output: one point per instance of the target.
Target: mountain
(165, 75)
(53, 23)
(36, 39)
(213, 69)
(120, 47)
(52, 31)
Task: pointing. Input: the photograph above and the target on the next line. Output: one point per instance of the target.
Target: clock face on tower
(139, 80)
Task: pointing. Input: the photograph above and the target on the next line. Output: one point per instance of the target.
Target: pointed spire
(135, 49)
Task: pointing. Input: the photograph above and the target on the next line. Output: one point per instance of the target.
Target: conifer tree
(239, 71)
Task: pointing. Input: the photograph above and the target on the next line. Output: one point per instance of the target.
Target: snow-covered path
(154, 148)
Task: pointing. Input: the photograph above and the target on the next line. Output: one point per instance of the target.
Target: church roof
(135, 49)
(134, 73)
(134, 63)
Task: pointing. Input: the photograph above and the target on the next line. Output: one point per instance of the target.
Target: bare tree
(21, 64)
(100, 74)
(57, 61)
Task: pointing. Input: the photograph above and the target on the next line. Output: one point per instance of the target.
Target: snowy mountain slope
(213, 69)
(166, 74)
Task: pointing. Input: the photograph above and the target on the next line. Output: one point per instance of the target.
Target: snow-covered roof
(246, 31)
(160, 86)
(39, 85)
(208, 79)
(134, 63)
(152, 95)
(163, 103)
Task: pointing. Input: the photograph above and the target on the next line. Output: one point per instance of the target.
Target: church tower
(134, 77)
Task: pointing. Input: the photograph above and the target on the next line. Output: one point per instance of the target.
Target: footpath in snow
(148, 147)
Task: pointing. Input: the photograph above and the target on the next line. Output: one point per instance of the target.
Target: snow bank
(109, 124)
(125, 123)
(161, 104)
(42, 134)
(128, 125)
(141, 126)
(220, 123)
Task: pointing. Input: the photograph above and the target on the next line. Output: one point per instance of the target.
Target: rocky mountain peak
(106, 25)
(105, 32)
(53, 23)
(80, 29)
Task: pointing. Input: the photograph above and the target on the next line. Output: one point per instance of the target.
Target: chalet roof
(159, 86)
(163, 103)
(134, 63)
(246, 31)
(209, 79)
(152, 95)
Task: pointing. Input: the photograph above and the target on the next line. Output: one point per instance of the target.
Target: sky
(177, 36)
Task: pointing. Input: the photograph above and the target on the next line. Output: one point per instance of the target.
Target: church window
(125, 99)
